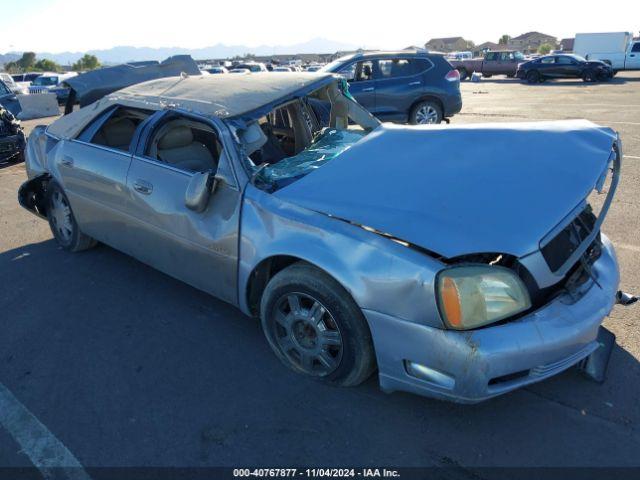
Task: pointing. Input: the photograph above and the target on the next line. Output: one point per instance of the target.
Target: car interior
(185, 144)
(117, 132)
(285, 132)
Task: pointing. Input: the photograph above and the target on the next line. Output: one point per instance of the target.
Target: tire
(510, 75)
(315, 328)
(589, 76)
(425, 112)
(464, 74)
(533, 77)
(486, 76)
(63, 223)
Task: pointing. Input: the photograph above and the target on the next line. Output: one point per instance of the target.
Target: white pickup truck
(618, 49)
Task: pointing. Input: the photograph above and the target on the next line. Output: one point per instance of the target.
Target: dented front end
(413, 217)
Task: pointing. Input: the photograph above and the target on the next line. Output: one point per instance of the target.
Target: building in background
(448, 44)
(530, 42)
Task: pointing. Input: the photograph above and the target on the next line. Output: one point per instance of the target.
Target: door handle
(142, 187)
(415, 83)
(632, 55)
(368, 89)
(67, 161)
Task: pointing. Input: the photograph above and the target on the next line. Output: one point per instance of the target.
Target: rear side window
(548, 60)
(636, 47)
(115, 129)
(402, 67)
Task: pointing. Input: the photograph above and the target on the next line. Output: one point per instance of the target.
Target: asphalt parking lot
(126, 366)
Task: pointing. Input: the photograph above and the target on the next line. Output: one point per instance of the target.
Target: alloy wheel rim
(61, 217)
(307, 334)
(426, 115)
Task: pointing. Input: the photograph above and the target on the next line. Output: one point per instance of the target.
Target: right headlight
(475, 295)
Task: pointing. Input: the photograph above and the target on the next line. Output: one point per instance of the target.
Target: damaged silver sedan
(460, 261)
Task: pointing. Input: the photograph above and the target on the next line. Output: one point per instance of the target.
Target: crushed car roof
(215, 95)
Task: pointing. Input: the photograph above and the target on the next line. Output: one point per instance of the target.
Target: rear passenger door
(399, 83)
(199, 248)
(93, 170)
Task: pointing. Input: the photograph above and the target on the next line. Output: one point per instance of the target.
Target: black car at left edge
(12, 138)
(563, 66)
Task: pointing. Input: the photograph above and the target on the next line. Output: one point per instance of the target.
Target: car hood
(463, 189)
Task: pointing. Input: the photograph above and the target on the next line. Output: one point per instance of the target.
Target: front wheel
(315, 328)
(424, 113)
(63, 223)
(589, 76)
(533, 77)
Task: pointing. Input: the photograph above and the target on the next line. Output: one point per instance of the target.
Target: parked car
(563, 66)
(12, 139)
(24, 80)
(10, 82)
(413, 87)
(27, 77)
(52, 82)
(8, 99)
(313, 68)
(493, 63)
(459, 273)
(618, 49)
(217, 70)
(253, 67)
(240, 70)
(282, 69)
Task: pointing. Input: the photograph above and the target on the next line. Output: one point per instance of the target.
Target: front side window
(348, 72)
(548, 60)
(184, 143)
(636, 47)
(491, 56)
(364, 71)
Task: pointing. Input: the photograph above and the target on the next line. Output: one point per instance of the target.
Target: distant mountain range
(129, 54)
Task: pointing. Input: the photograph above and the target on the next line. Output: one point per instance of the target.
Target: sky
(78, 25)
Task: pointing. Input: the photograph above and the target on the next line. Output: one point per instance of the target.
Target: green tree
(46, 65)
(545, 48)
(23, 64)
(87, 62)
(504, 39)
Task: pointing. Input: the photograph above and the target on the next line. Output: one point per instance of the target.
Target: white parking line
(44, 450)
(626, 246)
(632, 156)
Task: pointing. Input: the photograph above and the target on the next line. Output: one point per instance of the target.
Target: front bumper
(471, 366)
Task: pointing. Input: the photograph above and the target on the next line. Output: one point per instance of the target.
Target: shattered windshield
(302, 134)
(326, 145)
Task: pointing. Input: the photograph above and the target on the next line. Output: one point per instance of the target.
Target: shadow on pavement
(129, 367)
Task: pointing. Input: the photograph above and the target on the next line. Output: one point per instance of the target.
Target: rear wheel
(426, 112)
(533, 77)
(63, 223)
(464, 74)
(315, 328)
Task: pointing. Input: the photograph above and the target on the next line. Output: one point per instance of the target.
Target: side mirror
(199, 190)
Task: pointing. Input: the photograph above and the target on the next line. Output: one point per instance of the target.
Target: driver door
(199, 248)
(361, 83)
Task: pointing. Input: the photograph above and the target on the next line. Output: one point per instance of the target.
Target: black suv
(408, 86)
